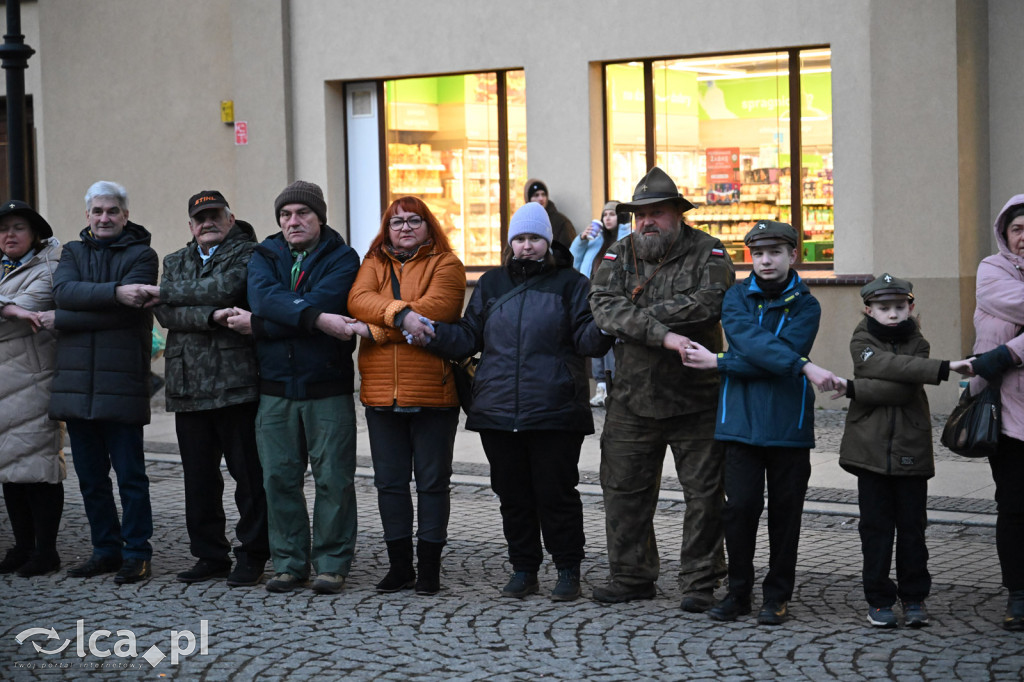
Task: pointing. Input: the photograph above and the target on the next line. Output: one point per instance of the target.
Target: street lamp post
(14, 54)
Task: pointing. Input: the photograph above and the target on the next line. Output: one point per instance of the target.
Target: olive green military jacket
(889, 423)
(207, 366)
(683, 295)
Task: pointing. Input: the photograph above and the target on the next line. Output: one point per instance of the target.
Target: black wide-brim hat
(653, 188)
(38, 223)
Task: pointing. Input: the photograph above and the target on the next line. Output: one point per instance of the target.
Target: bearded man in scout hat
(655, 291)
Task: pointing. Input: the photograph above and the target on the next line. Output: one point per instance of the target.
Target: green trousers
(321, 433)
(632, 455)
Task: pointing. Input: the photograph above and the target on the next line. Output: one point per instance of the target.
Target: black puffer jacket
(103, 347)
(531, 374)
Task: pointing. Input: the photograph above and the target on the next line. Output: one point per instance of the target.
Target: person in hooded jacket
(887, 444)
(998, 320)
(562, 230)
(532, 325)
(765, 417)
(101, 388)
(31, 458)
(588, 249)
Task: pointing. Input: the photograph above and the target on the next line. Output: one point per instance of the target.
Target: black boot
(401, 575)
(1014, 618)
(429, 555)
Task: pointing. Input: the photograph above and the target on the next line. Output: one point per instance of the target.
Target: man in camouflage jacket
(655, 291)
(211, 376)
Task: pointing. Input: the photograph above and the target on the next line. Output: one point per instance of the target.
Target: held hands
(699, 357)
(677, 343)
(824, 380)
(137, 295)
(235, 319)
(341, 326)
(36, 319)
(418, 331)
(962, 367)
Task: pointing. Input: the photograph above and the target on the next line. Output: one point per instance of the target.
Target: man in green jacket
(211, 387)
(657, 290)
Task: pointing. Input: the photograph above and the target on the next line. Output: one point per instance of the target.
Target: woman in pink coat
(998, 320)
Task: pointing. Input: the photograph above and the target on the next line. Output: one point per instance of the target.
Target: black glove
(991, 365)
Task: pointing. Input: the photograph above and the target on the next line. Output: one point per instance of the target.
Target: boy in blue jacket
(765, 416)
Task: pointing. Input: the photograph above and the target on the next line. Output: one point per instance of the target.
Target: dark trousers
(893, 506)
(786, 471)
(535, 474)
(35, 510)
(1008, 473)
(403, 442)
(96, 446)
(203, 437)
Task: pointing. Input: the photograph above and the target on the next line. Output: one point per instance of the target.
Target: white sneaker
(599, 396)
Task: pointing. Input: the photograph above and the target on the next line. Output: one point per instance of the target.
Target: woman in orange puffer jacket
(412, 409)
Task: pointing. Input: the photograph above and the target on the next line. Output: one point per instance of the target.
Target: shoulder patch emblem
(866, 353)
(610, 256)
(717, 252)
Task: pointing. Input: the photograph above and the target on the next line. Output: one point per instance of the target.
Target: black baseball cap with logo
(208, 198)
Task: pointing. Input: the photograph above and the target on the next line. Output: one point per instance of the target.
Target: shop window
(459, 143)
(724, 129)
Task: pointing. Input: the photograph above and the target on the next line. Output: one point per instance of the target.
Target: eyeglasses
(414, 222)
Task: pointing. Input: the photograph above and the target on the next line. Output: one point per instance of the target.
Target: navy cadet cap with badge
(770, 232)
(887, 288)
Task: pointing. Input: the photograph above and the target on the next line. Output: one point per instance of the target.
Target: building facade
(905, 140)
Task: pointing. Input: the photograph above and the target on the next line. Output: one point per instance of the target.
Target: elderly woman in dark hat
(31, 461)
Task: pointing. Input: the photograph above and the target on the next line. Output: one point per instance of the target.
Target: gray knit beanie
(530, 218)
(302, 192)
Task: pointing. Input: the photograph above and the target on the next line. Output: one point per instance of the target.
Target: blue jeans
(96, 446)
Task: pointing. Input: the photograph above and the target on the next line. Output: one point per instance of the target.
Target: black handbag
(973, 427)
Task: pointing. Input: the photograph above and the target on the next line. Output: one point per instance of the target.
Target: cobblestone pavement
(468, 633)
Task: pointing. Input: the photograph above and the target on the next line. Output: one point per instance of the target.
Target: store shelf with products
(462, 189)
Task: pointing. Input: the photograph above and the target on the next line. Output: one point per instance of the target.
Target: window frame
(795, 129)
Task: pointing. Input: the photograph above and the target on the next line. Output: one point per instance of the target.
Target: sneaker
(599, 396)
(568, 586)
(329, 583)
(1014, 618)
(882, 618)
(730, 608)
(697, 602)
(39, 564)
(96, 565)
(246, 575)
(205, 569)
(13, 560)
(772, 613)
(615, 592)
(521, 584)
(284, 582)
(914, 614)
(132, 571)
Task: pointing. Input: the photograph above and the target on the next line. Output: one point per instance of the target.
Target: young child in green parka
(887, 444)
